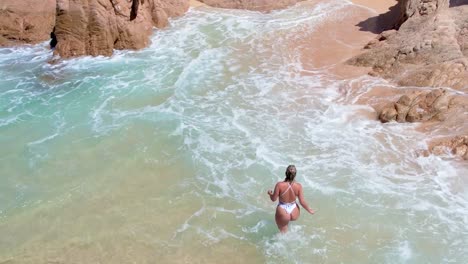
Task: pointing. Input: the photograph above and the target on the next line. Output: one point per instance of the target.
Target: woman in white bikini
(287, 191)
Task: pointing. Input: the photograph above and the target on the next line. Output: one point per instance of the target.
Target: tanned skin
(282, 218)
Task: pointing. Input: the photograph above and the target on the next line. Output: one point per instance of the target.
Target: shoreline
(176, 141)
(345, 39)
(441, 137)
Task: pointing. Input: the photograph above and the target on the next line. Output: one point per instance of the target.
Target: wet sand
(341, 40)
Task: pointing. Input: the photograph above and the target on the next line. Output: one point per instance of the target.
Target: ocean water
(165, 155)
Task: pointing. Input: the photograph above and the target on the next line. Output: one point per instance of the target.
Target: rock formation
(442, 115)
(257, 5)
(85, 27)
(430, 47)
(97, 27)
(457, 146)
(26, 21)
(427, 47)
(417, 107)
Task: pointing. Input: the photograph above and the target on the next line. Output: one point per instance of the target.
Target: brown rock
(417, 8)
(416, 114)
(388, 114)
(430, 47)
(26, 21)
(371, 43)
(160, 19)
(173, 8)
(97, 27)
(407, 99)
(404, 104)
(386, 34)
(460, 150)
(417, 107)
(457, 145)
(426, 108)
(402, 112)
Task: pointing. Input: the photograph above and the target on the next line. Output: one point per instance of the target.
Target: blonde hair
(290, 173)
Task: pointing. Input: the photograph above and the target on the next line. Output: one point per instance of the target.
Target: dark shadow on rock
(454, 3)
(134, 11)
(53, 39)
(382, 22)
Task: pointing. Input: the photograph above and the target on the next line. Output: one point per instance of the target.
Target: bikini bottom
(288, 207)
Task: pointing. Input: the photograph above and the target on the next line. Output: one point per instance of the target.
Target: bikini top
(289, 187)
(287, 190)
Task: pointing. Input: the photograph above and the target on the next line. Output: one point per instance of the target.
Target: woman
(287, 191)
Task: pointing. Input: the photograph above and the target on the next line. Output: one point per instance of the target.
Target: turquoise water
(165, 155)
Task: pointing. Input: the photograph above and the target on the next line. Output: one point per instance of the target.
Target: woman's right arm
(303, 202)
(274, 194)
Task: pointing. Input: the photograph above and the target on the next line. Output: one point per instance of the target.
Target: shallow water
(165, 155)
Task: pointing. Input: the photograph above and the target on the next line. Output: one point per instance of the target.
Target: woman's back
(288, 191)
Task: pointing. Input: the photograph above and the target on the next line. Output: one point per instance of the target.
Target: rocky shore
(421, 45)
(426, 46)
(80, 27)
(97, 27)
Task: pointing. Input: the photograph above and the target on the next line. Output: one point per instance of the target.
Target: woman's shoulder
(281, 184)
(294, 183)
(297, 184)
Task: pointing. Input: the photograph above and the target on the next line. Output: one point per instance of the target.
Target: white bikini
(289, 207)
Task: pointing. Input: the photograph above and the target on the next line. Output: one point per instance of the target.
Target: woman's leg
(282, 219)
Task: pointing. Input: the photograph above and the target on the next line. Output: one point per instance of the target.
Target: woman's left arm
(274, 194)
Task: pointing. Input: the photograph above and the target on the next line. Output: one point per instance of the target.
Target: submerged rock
(417, 107)
(441, 114)
(457, 145)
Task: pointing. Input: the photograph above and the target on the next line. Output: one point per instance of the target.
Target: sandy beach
(381, 6)
(378, 6)
(340, 40)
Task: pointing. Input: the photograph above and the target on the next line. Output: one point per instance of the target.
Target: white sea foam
(223, 90)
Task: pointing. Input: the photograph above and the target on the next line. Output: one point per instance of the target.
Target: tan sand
(380, 6)
(336, 41)
(195, 3)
